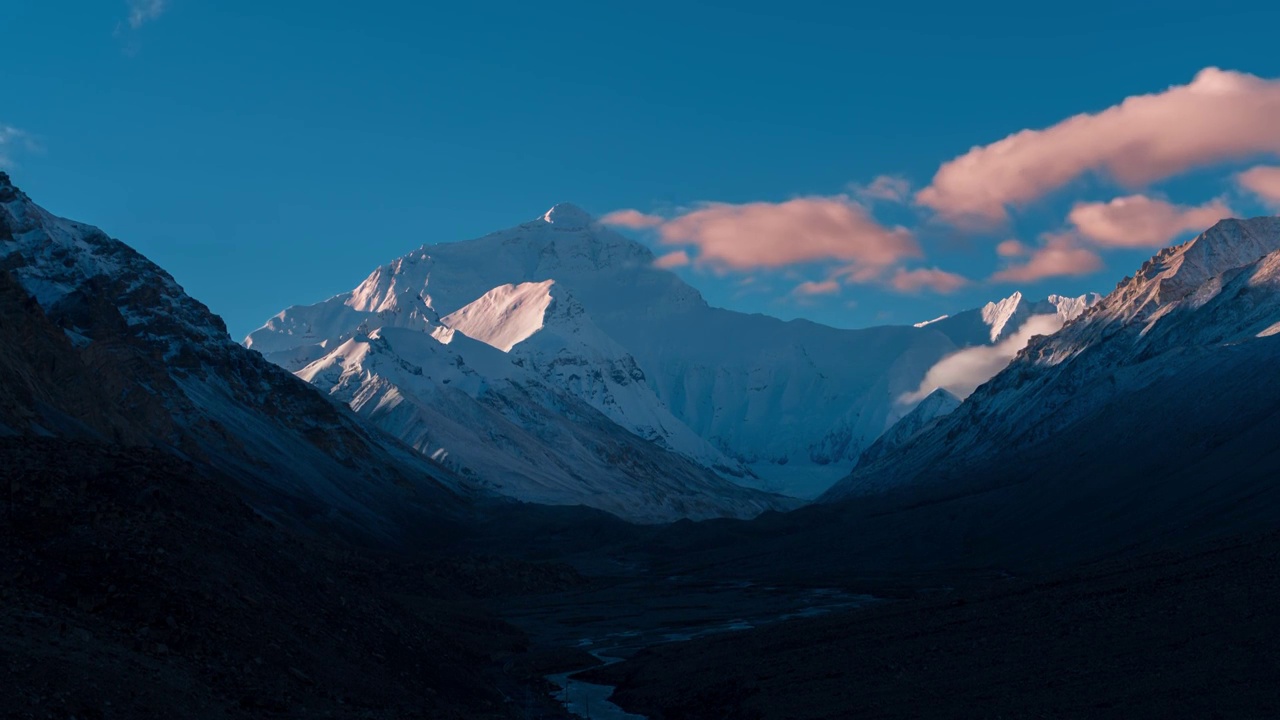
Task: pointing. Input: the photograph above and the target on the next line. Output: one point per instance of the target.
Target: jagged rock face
(160, 369)
(785, 406)
(50, 388)
(1158, 339)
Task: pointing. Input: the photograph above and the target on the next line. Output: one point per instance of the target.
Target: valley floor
(1191, 634)
(132, 587)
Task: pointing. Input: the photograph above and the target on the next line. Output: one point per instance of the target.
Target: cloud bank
(773, 235)
(1221, 115)
(1137, 221)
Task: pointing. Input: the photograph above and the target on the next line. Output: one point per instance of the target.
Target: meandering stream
(676, 611)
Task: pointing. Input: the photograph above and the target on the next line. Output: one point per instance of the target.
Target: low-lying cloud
(963, 371)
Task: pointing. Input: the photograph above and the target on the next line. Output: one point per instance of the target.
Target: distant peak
(567, 216)
(942, 397)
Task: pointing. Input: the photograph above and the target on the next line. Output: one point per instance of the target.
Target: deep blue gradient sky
(271, 153)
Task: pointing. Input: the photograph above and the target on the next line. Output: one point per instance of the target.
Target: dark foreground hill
(134, 585)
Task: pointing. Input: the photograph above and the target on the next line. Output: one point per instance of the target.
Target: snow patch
(504, 316)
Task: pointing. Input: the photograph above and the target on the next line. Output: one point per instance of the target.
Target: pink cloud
(1060, 255)
(1220, 115)
(1012, 248)
(811, 288)
(890, 188)
(939, 281)
(633, 219)
(1262, 181)
(1139, 221)
(679, 258)
(772, 235)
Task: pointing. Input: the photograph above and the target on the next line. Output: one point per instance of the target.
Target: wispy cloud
(939, 281)
(142, 12)
(1220, 115)
(810, 288)
(1059, 255)
(886, 188)
(12, 141)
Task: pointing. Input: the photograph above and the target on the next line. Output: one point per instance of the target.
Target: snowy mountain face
(938, 404)
(167, 374)
(1196, 326)
(563, 315)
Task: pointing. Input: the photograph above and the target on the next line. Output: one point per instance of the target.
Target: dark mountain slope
(135, 585)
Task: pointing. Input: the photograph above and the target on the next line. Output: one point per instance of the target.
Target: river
(614, 623)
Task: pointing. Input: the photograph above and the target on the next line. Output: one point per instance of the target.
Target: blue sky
(268, 154)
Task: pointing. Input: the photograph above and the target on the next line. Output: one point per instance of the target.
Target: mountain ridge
(1217, 295)
(192, 390)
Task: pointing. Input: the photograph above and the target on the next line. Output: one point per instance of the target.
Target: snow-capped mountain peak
(998, 314)
(998, 320)
(567, 216)
(580, 309)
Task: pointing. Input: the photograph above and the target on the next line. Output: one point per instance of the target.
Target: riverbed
(614, 619)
